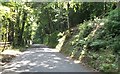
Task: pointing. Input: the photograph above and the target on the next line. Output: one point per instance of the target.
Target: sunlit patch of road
(42, 59)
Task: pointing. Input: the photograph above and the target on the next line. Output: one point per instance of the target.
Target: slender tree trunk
(0, 33)
(105, 7)
(68, 23)
(22, 29)
(17, 29)
(49, 26)
(49, 23)
(6, 38)
(11, 31)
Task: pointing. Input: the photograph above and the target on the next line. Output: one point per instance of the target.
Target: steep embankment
(95, 43)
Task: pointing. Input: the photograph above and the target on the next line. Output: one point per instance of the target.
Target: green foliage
(97, 44)
(53, 17)
(99, 37)
(112, 26)
(103, 62)
(16, 20)
(85, 29)
(53, 39)
(104, 37)
(42, 22)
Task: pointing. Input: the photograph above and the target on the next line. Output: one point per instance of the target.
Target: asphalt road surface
(39, 58)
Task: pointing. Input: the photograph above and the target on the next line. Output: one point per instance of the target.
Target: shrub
(113, 24)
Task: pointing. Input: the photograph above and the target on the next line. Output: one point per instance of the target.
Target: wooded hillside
(90, 30)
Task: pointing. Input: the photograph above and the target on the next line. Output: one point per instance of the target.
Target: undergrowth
(97, 43)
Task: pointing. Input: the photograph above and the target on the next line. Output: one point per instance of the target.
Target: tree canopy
(92, 25)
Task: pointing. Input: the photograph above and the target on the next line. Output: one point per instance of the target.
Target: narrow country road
(39, 58)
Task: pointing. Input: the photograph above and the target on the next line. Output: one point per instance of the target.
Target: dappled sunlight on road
(43, 60)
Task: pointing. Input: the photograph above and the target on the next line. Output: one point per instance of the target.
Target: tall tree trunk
(49, 26)
(68, 23)
(49, 23)
(11, 31)
(17, 27)
(22, 29)
(0, 32)
(105, 7)
(6, 37)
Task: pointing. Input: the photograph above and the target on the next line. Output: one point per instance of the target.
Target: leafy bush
(85, 29)
(53, 39)
(101, 35)
(113, 24)
(97, 44)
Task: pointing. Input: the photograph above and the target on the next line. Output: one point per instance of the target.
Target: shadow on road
(43, 60)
